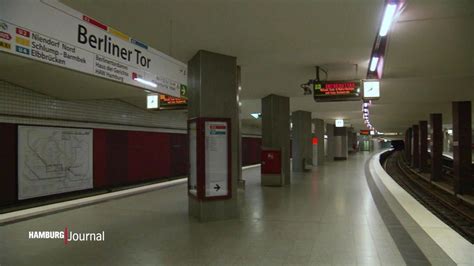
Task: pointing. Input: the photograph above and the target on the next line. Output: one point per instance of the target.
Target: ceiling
(429, 60)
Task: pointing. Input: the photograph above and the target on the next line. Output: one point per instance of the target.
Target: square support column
(423, 146)
(319, 134)
(301, 135)
(212, 82)
(330, 142)
(340, 143)
(436, 145)
(462, 143)
(415, 147)
(408, 142)
(276, 134)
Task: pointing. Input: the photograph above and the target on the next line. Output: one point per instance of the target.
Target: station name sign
(53, 33)
(327, 91)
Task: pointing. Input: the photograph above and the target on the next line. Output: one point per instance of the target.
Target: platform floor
(326, 217)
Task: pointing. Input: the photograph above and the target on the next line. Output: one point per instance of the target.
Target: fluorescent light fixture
(373, 63)
(256, 115)
(146, 82)
(450, 131)
(152, 101)
(366, 105)
(325, 136)
(387, 19)
(339, 123)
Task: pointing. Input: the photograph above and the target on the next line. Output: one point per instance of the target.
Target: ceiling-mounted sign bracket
(325, 71)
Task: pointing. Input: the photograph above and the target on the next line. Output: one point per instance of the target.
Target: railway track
(444, 205)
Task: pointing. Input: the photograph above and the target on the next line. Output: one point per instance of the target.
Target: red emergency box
(271, 162)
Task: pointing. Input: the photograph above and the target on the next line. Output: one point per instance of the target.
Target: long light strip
(387, 19)
(373, 63)
(146, 82)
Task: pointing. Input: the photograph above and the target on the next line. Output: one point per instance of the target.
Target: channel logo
(68, 236)
(3, 26)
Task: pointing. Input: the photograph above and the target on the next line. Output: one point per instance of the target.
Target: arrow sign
(217, 187)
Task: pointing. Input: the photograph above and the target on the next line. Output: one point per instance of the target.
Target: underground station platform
(236, 132)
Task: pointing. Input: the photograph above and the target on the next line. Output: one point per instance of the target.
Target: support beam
(423, 146)
(408, 142)
(276, 134)
(301, 135)
(319, 134)
(212, 80)
(462, 143)
(436, 145)
(415, 147)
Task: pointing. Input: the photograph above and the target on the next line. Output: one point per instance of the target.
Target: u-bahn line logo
(68, 236)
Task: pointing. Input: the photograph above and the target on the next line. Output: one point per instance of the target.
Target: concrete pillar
(340, 143)
(240, 180)
(436, 145)
(462, 143)
(301, 135)
(276, 133)
(212, 82)
(408, 142)
(415, 147)
(319, 134)
(423, 145)
(330, 142)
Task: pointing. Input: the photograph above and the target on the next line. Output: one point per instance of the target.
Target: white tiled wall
(24, 106)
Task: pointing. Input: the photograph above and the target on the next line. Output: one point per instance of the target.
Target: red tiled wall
(8, 157)
(251, 149)
(120, 157)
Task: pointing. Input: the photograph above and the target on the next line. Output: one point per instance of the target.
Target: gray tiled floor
(326, 217)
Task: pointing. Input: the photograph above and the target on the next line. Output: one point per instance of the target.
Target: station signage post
(210, 158)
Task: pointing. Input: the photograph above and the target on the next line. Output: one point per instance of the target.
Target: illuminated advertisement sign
(324, 91)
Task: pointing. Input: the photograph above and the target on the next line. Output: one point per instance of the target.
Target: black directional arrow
(217, 187)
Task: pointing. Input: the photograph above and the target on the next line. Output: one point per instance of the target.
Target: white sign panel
(339, 123)
(53, 160)
(371, 89)
(193, 159)
(51, 32)
(216, 158)
(152, 101)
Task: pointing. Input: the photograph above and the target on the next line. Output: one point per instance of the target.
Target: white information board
(53, 160)
(51, 32)
(192, 159)
(216, 140)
